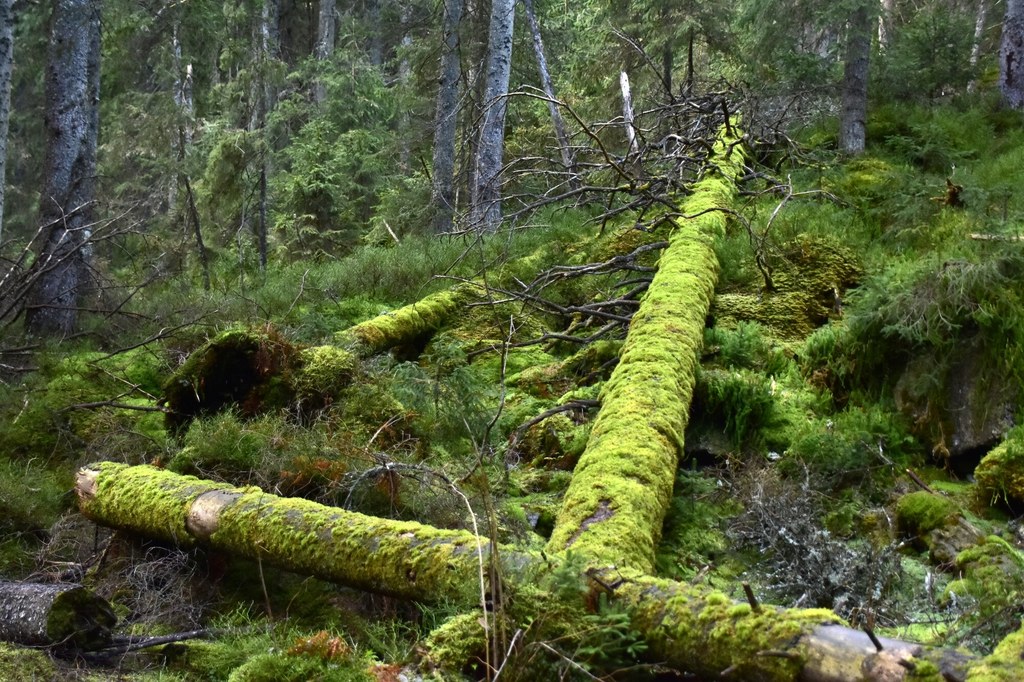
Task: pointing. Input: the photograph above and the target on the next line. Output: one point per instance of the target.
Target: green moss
(297, 668)
(457, 645)
(1004, 663)
(1001, 472)
(622, 485)
(413, 324)
(17, 663)
(705, 632)
(921, 512)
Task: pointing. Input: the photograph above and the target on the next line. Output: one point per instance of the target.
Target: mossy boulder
(921, 512)
(1000, 474)
(806, 290)
(555, 443)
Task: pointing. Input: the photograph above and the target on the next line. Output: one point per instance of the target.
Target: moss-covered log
(402, 559)
(621, 487)
(689, 627)
(409, 327)
(255, 371)
(61, 616)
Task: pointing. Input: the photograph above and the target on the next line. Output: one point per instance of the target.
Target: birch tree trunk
(6, 67)
(549, 88)
(486, 200)
(627, 112)
(446, 119)
(853, 119)
(324, 43)
(60, 272)
(1011, 55)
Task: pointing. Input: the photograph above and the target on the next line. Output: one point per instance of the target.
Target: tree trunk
(446, 119)
(549, 89)
(490, 154)
(1011, 54)
(688, 627)
(980, 17)
(885, 21)
(622, 486)
(6, 67)
(60, 272)
(397, 558)
(324, 44)
(627, 112)
(855, 81)
(186, 113)
(66, 616)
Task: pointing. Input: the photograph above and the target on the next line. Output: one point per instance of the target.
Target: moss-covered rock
(1000, 474)
(920, 512)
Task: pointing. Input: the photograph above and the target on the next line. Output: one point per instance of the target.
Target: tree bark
(324, 44)
(6, 67)
(622, 486)
(1011, 54)
(486, 201)
(61, 615)
(60, 271)
(446, 119)
(627, 112)
(549, 88)
(688, 627)
(853, 119)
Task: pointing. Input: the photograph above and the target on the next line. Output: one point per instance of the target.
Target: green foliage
(740, 401)
(449, 396)
(31, 495)
(850, 448)
(929, 55)
(1000, 474)
(745, 346)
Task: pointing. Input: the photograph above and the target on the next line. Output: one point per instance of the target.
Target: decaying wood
(64, 616)
(690, 627)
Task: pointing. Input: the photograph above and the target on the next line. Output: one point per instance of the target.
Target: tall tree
(490, 153)
(6, 66)
(548, 86)
(446, 119)
(324, 42)
(853, 117)
(60, 270)
(1011, 54)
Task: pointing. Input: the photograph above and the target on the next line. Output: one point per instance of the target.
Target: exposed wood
(549, 88)
(61, 615)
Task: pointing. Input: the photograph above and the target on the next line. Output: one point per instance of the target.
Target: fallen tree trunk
(691, 628)
(412, 325)
(621, 488)
(61, 616)
(401, 559)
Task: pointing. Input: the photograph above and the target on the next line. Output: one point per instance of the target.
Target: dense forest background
(202, 200)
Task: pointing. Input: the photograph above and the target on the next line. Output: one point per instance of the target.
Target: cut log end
(85, 483)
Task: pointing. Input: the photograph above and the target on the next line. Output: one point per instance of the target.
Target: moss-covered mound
(1001, 472)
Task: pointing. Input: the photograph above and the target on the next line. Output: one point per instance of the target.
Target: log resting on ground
(257, 371)
(401, 559)
(621, 488)
(62, 616)
(691, 628)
